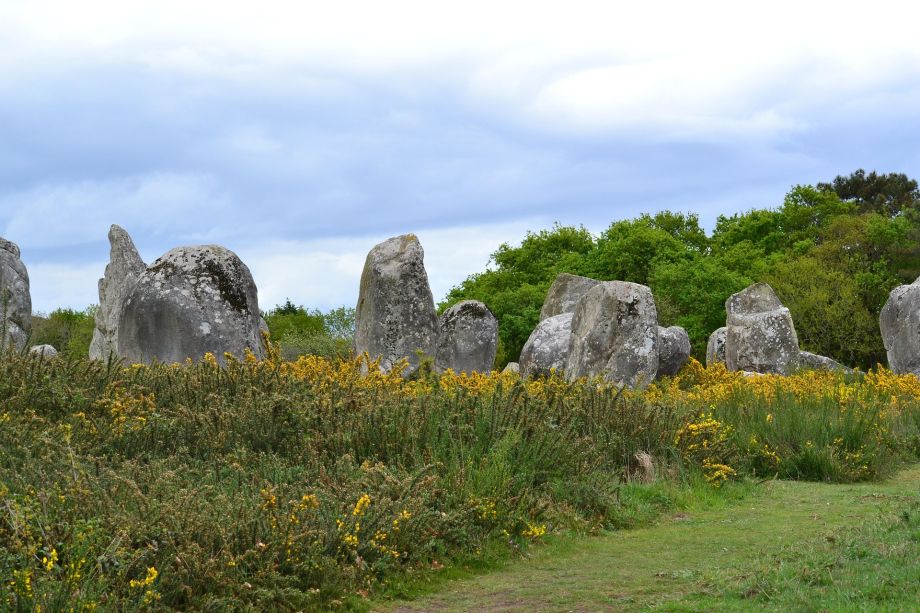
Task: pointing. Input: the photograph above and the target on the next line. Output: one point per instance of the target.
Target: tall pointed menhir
(121, 274)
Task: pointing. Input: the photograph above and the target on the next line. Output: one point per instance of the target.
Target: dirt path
(644, 568)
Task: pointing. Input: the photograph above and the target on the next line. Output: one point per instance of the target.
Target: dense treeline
(832, 252)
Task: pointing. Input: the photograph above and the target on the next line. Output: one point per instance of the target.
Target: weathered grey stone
(191, 301)
(900, 324)
(512, 367)
(547, 348)
(15, 299)
(395, 317)
(468, 338)
(615, 335)
(673, 350)
(715, 347)
(564, 294)
(121, 274)
(760, 335)
(813, 361)
(46, 351)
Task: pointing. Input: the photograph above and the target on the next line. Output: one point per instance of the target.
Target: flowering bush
(301, 484)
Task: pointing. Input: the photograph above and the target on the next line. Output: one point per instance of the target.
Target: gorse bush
(288, 485)
(815, 425)
(306, 485)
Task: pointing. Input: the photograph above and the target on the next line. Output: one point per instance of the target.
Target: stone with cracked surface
(395, 318)
(191, 301)
(760, 335)
(468, 338)
(813, 361)
(900, 325)
(715, 347)
(564, 294)
(673, 350)
(615, 335)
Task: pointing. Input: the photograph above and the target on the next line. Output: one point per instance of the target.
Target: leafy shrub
(301, 332)
(68, 331)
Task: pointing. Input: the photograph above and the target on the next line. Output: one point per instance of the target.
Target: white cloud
(55, 216)
(61, 285)
(675, 68)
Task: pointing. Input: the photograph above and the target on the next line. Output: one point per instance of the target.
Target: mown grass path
(697, 560)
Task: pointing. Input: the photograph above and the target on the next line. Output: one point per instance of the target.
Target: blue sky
(299, 135)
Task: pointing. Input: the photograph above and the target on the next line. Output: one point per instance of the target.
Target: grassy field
(780, 546)
(307, 485)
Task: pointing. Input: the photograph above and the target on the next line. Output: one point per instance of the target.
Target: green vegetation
(831, 252)
(784, 546)
(68, 331)
(308, 485)
(311, 332)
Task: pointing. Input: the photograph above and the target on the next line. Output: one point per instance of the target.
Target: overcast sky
(299, 134)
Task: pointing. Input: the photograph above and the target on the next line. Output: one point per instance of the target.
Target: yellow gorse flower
(50, 560)
(534, 531)
(146, 581)
(361, 505)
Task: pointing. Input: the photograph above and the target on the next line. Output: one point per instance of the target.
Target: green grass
(787, 546)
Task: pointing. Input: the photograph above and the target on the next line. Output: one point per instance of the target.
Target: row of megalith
(194, 300)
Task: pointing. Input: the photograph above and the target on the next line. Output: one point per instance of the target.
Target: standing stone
(673, 350)
(468, 338)
(615, 335)
(900, 323)
(547, 348)
(395, 317)
(564, 294)
(121, 274)
(15, 300)
(45, 351)
(813, 361)
(715, 348)
(760, 335)
(191, 301)
(512, 367)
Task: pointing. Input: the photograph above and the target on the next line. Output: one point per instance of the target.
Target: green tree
(312, 332)
(830, 315)
(692, 294)
(629, 250)
(886, 194)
